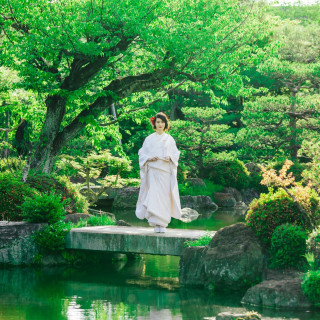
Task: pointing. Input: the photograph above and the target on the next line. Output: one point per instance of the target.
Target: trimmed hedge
(270, 211)
(311, 286)
(288, 247)
(12, 193)
(231, 173)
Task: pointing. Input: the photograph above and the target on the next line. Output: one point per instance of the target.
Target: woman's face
(160, 124)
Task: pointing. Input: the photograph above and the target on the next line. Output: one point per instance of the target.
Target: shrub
(230, 173)
(272, 210)
(203, 241)
(102, 220)
(187, 188)
(12, 193)
(296, 168)
(311, 286)
(62, 186)
(254, 182)
(12, 163)
(43, 208)
(52, 237)
(288, 247)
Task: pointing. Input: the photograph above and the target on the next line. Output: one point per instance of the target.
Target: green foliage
(296, 169)
(43, 208)
(231, 173)
(52, 237)
(200, 137)
(254, 182)
(11, 164)
(12, 193)
(203, 241)
(271, 210)
(91, 167)
(102, 220)
(188, 188)
(311, 286)
(311, 149)
(62, 186)
(288, 247)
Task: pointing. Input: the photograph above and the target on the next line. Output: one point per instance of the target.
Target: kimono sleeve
(143, 154)
(174, 152)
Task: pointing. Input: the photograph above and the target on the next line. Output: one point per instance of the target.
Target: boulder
(76, 217)
(234, 192)
(243, 316)
(195, 182)
(225, 199)
(284, 294)
(192, 267)
(189, 215)
(197, 202)
(101, 213)
(126, 198)
(16, 245)
(252, 167)
(249, 194)
(233, 260)
(122, 223)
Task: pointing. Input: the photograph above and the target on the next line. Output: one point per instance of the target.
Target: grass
(102, 220)
(203, 241)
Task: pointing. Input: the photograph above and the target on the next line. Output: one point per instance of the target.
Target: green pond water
(146, 288)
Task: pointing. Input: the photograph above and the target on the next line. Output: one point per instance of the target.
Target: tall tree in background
(82, 56)
(277, 125)
(200, 138)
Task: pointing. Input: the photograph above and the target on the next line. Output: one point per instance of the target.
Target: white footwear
(162, 229)
(156, 229)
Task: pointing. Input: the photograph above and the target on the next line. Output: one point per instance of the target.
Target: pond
(146, 288)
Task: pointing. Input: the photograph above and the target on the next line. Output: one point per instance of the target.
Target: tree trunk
(6, 134)
(43, 159)
(293, 128)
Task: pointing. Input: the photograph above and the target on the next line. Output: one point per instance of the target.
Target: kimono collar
(159, 134)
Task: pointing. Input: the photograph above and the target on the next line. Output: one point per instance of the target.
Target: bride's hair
(164, 118)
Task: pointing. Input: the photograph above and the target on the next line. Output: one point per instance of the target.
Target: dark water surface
(146, 288)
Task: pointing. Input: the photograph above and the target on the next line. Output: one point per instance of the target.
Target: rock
(235, 316)
(252, 167)
(192, 267)
(122, 223)
(189, 215)
(126, 197)
(76, 217)
(16, 245)
(249, 194)
(233, 260)
(197, 202)
(234, 192)
(100, 213)
(285, 294)
(225, 199)
(195, 182)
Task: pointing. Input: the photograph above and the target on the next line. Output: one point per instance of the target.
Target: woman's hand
(153, 159)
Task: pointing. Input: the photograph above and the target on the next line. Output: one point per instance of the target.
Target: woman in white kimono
(159, 199)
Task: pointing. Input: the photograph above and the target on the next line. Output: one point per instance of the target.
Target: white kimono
(158, 199)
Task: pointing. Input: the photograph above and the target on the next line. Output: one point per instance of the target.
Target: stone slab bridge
(133, 239)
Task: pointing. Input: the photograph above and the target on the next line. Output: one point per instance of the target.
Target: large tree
(83, 56)
(277, 124)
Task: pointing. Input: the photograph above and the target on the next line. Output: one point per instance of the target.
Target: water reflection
(146, 288)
